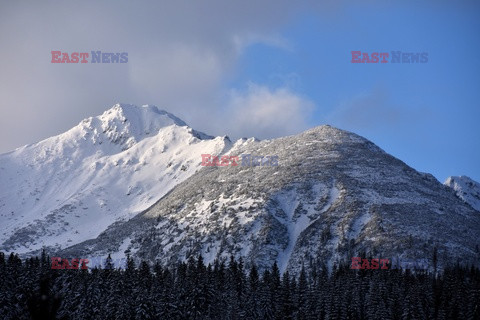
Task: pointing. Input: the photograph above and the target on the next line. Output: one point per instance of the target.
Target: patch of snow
(466, 189)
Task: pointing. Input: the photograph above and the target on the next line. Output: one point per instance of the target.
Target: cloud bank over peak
(180, 57)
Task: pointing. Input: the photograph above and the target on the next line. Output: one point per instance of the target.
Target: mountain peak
(124, 111)
(127, 124)
(108, 167)
(328, 132)
(466, 189)
(335, 136)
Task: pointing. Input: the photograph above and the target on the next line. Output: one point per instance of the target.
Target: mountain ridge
(333, 196)
(127, 183)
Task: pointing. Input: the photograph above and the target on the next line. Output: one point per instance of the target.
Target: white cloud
(266, 113)
(181, 55)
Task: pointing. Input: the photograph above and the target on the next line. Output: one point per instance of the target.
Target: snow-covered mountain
(71, 187)
(131, 181)
(466, 189)
(333, 196)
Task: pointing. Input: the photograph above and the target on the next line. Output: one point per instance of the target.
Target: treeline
(30, 289)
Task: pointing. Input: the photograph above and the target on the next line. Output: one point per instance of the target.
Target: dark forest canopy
(31, 289)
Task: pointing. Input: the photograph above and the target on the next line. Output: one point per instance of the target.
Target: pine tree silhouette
(44, 305)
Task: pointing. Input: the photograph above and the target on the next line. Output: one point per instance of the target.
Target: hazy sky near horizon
(253, 68)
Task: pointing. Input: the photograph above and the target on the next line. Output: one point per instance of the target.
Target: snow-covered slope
(466, 189)
(333, 196)
(131, 181)
(71, 187)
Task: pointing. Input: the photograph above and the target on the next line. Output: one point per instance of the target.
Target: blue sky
(428, 115)
(251, 68)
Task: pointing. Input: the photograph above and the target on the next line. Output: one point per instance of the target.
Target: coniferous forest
(31, 289)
